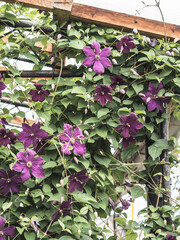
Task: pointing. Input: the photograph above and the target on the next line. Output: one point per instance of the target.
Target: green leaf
(156, 148)
(120, 220)
(102, 112)
(105, 161)
(130, 235)
(83, 197)
(91, 120)
(49, 164)
(137, 87)
(79, 90)
(102, 132)
(31, 57)
(77, 44)
(136, 192)
(20, 230)
(30, 235)
(177, 81)
(6, 205)
(129, 152)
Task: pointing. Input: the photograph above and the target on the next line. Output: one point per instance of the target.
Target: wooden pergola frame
(68, 10)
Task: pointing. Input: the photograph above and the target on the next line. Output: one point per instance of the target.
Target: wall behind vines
(60, 173)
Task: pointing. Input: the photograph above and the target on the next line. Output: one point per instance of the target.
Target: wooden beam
(19, 121)
(40, 4)
(123, 21)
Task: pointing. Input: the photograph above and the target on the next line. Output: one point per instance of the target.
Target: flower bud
(134, 72)
(23, 82)
(141, 95)
(21, 204)
(122, 91)
(110, 141)
(168, 53)
(176, 40)
(20, 218)
(62, 199)
(85, 111)
(53, 86)
(96, 214)
(86, 133)
(8, 46)
(52, 60)
(61, 182)
(32, 29)
(69, 27)
(84, 77)
(135, 31)
(90, 232)
(79, 232)
(27, 191)
(114, 61)
(59, 36)
(175, 50)
(89, 69)
(8, 146)
(42, 197)
(172, 53)
(76, 160)
(165, 222)
(36, 181)
(173, 227)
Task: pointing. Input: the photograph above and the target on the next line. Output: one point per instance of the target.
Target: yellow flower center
(1, 233)
(8, 180)
(97, 57)
(29, 164)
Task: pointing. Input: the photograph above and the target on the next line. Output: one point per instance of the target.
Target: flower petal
(37, 171)
(105, 52)
(96, 46)
(88, 51)
(10, 231)
(88, 61)
(77, 134)
(72, 186)
(125, 133)
(26, 128)
(79, 186)
(106, 62)
(79, 148)
(2, 223)
(98, 67)
(66, 148)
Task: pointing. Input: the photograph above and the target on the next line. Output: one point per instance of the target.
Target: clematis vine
(153, 100)
(97, 58)
(31, 135)
(27, 162)
(117, 80)
(76, 179)
(64, 210)
(125, 44)
(130, 125)
(103, 93)
(39, 94)
(72, 140)
(9, 181)
(2, 86)
(6, 137)
(9, 231)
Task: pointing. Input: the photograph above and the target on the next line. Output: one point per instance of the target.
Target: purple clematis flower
(153, 42)
(3, 121)
(64, 210)
(75, 180)
(31, 135)
(170, 237)
(97, 57)
(125, 44)
(152, 98)
(117, 80)
(27, 162)
(9, 231)
(103, 93)
(2, 86)
(39, 94)
(9, 181)
(72, 140)
(41, 145)
(6, 137)
(127, 141)
(125, 204)
(130, 125)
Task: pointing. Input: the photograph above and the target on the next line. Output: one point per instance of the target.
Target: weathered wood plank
(124, 21)
(41, 4)
(19, 121)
